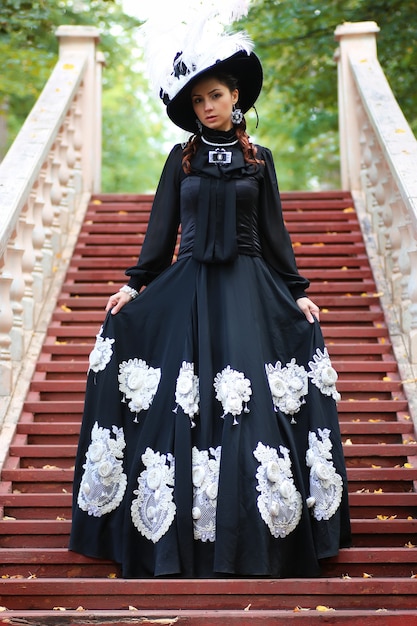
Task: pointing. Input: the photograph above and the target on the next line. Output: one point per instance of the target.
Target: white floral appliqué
(279, 502)
(101, 353)
(323, 375)
(103, 483)
(187, 394)
(139, 383)
(326, 485)
(288, 386)
(233, 390)
(205, 488)
(153, 511)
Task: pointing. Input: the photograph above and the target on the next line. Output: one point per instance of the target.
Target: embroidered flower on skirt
(233, 390)
(153, 511)
(279, 502)
(187, 391)
(205, 488)
(103, 483)
(101, 353)
(288, 386)
(326, 485)
(138, 383)
(323, 375)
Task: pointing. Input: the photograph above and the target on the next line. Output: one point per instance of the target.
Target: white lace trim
(138, 383)
(233, 390)
(187, 394)
(288, 386)
(323, 375)
(326, 486)
(103, 483)
(205, 488)
(279, 502)
(101, 353)
(153, 511)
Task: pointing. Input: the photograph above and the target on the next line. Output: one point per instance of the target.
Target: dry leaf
(399, 131)
(8, 518)
(112, 575)
(68, 66)
(133, 608)
(3, 608)
(349, 209)
(346, 577)
(32, 577)
(382, 517)
(298, 609)
(322, 608)
(380, 490)
(348, 442)
(408, 465)
(365, 575)
(80, 608)
(61, 519)
(386, 378)
(59, 608)
(247, 608)
(96, 202)
(376, 466)
(409, 545)
(65, 308)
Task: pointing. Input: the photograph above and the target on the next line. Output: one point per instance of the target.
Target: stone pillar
(82, 41)
(356, 40)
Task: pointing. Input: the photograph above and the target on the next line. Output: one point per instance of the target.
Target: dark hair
(248, 149)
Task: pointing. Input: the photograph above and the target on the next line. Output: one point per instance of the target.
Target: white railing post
(358, 39)
(82, 40)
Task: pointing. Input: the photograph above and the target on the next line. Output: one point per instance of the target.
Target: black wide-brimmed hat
(244, 66)
(183, 46)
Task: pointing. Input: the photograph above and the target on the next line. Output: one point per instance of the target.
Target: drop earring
(237, 115)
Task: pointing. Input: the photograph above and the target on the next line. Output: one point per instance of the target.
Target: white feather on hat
(184, 37)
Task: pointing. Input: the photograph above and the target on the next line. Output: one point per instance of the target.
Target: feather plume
(183, 37)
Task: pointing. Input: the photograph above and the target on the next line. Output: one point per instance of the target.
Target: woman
(210, 443)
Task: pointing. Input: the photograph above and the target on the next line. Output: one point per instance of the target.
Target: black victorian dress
(210, 441)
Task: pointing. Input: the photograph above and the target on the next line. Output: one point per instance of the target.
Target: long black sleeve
(275, 240)
(161, 235)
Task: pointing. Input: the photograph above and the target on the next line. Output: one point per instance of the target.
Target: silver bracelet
(130, 291)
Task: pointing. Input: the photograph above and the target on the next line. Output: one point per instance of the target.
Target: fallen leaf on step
(247, 608)
(409, 545)
(323, 609)
(365, 575)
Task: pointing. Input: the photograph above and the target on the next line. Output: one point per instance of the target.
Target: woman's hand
(117, 302)
(309, 309)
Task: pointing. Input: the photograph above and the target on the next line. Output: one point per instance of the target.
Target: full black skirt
(210, 442)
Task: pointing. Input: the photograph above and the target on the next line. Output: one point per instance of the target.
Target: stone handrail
(379, 167)
(46, 180)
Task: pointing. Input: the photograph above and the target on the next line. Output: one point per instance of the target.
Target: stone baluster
(412, 294)
(404, 265)
(26, 226)
(13, 256)
(38, 238)
(6, 324)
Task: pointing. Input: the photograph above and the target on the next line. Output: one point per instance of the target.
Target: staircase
(371, 583)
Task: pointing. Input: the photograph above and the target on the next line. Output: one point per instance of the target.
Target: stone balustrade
(379, 166)
(46, 180)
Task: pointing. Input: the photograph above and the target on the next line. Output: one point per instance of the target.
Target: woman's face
(213, 103)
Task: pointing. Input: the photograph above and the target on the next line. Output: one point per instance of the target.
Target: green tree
(132, 155)
(298, 108)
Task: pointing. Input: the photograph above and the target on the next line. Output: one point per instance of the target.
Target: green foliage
(132, 159)
(298, 109)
